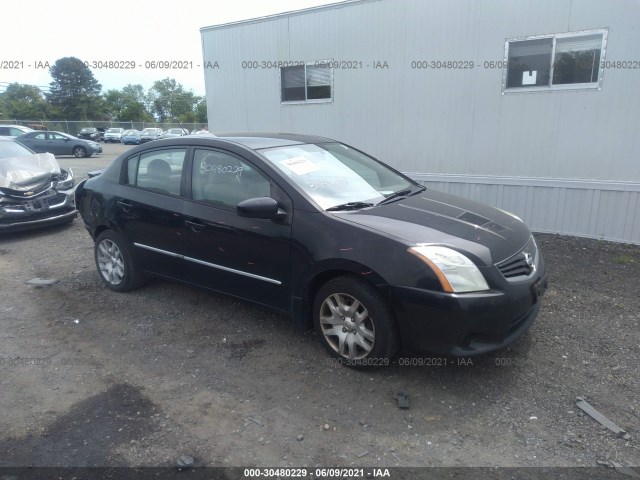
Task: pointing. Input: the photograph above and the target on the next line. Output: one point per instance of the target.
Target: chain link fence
(72, 127)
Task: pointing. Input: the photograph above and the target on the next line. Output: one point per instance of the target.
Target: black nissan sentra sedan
(322, 231)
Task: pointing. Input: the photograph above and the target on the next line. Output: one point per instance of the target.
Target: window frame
(125, 180)
(307, 100)
(215, 204)
(559, 87)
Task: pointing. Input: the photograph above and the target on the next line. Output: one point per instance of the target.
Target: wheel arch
(301, 308)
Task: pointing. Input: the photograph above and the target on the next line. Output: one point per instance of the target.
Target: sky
(127, 32)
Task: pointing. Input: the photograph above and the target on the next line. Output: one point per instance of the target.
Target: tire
(79, 151)
(354, 322)
(115, 263)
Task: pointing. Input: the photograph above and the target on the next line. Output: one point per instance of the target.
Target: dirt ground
(89, 377)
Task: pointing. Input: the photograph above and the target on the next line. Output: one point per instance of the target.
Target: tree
(128, 104)
(24, 102)
(170, 101)
(201, 110)
(74, 92)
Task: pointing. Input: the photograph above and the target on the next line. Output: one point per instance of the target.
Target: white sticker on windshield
(300, 165)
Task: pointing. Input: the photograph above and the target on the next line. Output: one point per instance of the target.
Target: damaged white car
(34, 190)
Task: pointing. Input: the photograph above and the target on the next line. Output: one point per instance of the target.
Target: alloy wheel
(347, 326)
(110, 262)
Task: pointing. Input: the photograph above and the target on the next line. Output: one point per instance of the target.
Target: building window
(306, 83)
(557, 62)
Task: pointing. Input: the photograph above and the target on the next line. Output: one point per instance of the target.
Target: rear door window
(159, 170)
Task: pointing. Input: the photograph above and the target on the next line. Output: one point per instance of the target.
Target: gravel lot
(91, 377)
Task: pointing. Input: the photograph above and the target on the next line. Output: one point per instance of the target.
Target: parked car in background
(202, 131)
(34, 190)
(317, 229)
(89, 133)
(13, 130)
(59, 143)
(149, 134)
(131, 137)
(101, 131)
(176, 132)
(113, 135)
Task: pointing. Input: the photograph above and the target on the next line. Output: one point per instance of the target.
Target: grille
(42, 203)
(522, 264)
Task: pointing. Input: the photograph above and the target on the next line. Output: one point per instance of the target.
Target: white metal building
(531, 106)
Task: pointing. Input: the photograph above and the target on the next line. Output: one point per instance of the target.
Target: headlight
(65, 182)
(455, 271)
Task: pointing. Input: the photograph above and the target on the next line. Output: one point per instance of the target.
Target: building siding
(453, 124)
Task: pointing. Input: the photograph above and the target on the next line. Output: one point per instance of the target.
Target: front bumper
(465, 324)
(42, 211)
(38, 223)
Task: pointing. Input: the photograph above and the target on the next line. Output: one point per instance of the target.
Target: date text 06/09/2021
(338, 473)
(406, 362)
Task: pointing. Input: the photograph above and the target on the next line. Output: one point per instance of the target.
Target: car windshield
(333, 174)
(131, 132)
(13, 149)
(113, 130)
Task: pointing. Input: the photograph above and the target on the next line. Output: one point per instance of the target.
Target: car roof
(258, 140)
(47, 131)
(251, 140)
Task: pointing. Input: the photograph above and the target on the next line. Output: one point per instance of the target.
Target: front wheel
(355, 323)
(115, 263)
(79, 152)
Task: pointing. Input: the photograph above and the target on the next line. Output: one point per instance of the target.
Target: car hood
(434, 217)
(22, 174)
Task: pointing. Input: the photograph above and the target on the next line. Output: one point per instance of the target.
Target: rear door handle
(195, 226)
(126, 206)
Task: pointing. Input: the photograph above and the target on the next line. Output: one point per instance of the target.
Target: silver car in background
(114, 135)
(149, 134)
(34, 190)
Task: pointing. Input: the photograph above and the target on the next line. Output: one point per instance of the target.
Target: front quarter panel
(323, 246)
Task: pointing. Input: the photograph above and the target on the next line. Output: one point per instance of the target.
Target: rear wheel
(355, 323)
(79, 151)
(115, 263)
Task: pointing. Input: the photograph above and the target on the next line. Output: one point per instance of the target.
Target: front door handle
(195, 226)
(126, 206)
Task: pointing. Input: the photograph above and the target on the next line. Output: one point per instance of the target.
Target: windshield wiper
(402, 193)
(350, 206)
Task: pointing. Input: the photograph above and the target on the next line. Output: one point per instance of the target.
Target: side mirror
(260, 207)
